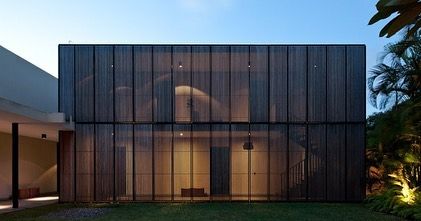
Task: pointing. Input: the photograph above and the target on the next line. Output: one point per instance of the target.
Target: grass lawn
(213, 211)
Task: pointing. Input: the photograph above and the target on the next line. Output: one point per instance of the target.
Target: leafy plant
(407, 15)
(398, 75)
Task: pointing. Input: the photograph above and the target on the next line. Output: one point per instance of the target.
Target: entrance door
(220, 164)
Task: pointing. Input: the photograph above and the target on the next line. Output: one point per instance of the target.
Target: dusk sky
(33, 29)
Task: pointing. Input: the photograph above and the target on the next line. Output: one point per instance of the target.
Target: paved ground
(6, 206)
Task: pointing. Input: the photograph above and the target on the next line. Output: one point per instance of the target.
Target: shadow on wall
(45, 179)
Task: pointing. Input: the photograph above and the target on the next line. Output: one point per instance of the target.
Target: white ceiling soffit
(32, 123)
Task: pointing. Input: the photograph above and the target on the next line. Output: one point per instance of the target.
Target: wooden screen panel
(220, 86)
(297, 180)
(220, 138)
(67, 168)
(278, 83)
(182, 83)
(123, 76)
(355, 153)
(163, 147)
(355, 83)
(84, 162)
(182, 161)
(104, 160)
(84, 83)
(278, 162)
(240, 84)
(316, 83)
(143, 168)
(336, 80)
(259, 84)
(124, 161)
(297, 83)
(335, 162)
(259, 165)
(66, 79)
(239, 162)
(316, 163)
(143, 83)
(201, 78)
(201, 143)
(162, 80)
(104, 102)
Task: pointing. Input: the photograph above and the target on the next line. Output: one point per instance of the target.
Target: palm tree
(398, 76)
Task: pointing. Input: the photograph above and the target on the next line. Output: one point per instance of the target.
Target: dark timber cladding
(212, 122)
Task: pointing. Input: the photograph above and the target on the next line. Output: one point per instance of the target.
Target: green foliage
(407, 14)
(389, 202)
(394, 138)
(398, 76)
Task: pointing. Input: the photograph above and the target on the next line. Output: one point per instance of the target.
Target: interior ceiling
(30, 127)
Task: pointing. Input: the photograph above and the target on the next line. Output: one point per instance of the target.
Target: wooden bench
(195, 192)
(28, 193)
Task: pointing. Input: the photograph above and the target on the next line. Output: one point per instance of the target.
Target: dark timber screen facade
(212, 122)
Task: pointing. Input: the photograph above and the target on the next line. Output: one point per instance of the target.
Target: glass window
(259, 161)
(182, 162)
(220, 162)
(123, 83)
(66, 79)
(297, 83)
(84, 162)
(182, 83)
(335, 162)
(336, 79)
(316, 83)
(104, 102)
(143, 162)
(278, 59)
(162, 80)
(259, 84)
(316, 162)
(163, 161)
(143, 83)
(220, 101)
(278, 162)
(124, 161)
(297, 158)
(104, 154)
(240, 84)
(201, 161)
(84, 85)
(201, 83)
(240, 162)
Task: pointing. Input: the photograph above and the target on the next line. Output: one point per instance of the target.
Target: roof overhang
(32, 122)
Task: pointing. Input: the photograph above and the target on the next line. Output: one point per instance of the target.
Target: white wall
(37, 164)
(24, 83)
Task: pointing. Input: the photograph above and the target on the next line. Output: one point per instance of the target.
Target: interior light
(181, 134)
(45, 198)
(180, 65)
